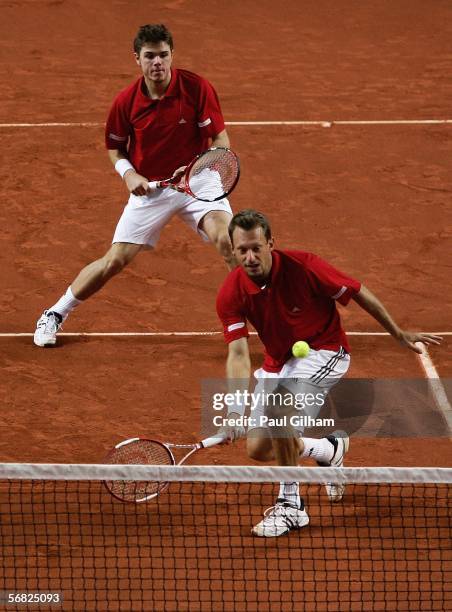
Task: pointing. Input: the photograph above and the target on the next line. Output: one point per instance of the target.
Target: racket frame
(206, 443)
(173, 182)
(172, 461)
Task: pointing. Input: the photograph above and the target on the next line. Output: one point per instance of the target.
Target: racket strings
(138, 452)
(216, 171)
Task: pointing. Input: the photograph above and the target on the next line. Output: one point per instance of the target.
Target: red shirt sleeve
(210, 117)
(330, 281)
(117, 127)
(230, 312)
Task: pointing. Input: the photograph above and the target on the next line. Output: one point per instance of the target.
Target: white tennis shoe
(47, 327)
(341, 443)
(280, 519)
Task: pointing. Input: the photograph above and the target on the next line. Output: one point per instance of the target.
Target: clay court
(370, 192)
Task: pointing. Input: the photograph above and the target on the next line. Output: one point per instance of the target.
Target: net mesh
(386, 546)
(214, 174)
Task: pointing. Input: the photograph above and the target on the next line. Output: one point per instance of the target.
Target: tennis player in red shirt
(289, 296)
(155, 127)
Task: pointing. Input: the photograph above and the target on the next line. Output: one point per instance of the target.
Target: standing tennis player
(290, 296)
(155, 127)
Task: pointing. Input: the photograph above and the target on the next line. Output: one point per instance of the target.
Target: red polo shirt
(159, 136)
(298, 303)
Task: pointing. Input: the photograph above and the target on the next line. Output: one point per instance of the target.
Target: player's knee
(113, 264)
(256, 450)
(117, 259)
(223, 245)
(254, 453)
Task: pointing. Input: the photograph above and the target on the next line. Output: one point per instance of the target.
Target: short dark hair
(152, 33)
(249, 219)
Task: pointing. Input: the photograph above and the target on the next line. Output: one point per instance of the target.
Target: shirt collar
(250, 286)
(173, 87)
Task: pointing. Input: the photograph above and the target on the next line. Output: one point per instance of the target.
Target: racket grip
(213, 440)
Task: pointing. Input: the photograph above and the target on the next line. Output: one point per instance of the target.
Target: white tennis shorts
(144, 217)
(308, 380)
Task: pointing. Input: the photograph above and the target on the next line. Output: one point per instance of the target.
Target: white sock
(66, 303)
(290, 491)
(319, 449)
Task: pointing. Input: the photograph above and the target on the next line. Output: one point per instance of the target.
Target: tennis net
(67, 544)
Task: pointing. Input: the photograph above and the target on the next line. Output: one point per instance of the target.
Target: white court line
(52, 124)
(425, 359)
(323, 123)
(437, 387)
(330, 122)
(180, 333)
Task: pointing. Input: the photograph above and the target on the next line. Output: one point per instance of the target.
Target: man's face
(253, 252)
(155, 61)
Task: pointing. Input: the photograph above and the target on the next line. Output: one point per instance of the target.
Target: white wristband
(122, 166)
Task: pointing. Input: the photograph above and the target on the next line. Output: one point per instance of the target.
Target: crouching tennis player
(290, 296)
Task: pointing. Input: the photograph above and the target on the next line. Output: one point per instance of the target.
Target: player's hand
(136, 184)
(178, 178)
(409, 340)
(232, 431)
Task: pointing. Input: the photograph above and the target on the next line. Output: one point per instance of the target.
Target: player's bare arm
(238, 370)
(238, 365)
(221, 140)
(136, 184)
(371, 304)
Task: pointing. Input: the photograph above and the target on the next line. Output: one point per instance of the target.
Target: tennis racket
(210, 176)
(142, 451)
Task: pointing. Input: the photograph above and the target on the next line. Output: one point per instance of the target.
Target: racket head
(213, 174)
(138, 451)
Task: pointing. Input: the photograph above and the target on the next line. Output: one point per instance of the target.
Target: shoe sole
(277, 535)
(38, 333)
(42, 344)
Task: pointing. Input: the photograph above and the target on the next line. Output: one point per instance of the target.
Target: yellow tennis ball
(300, 349)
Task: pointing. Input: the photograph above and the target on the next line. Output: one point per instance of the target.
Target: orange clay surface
(371, 199)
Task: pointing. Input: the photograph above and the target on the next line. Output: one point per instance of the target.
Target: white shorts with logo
(144, 217)
(314, 375)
